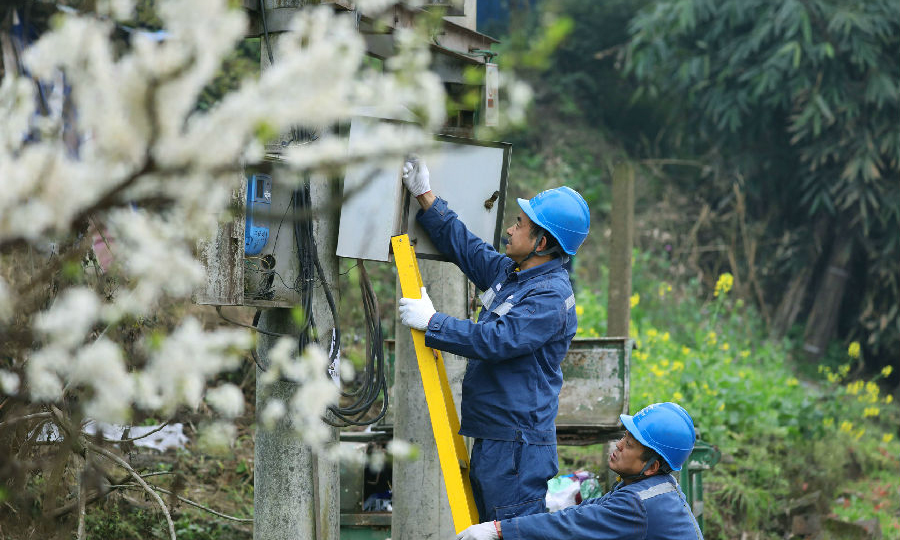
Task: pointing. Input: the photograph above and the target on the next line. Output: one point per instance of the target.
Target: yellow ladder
(452, 452)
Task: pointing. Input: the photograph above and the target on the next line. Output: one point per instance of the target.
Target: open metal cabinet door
(470, 175)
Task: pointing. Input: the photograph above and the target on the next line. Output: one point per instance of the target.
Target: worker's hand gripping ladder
(452, 452)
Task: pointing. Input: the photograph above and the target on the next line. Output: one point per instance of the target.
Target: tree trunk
(791, 304)
(823, 317)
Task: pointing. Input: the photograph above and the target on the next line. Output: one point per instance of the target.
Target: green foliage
(116, 521)
(873, 500)
(800, 101)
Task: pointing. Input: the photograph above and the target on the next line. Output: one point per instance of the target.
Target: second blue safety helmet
(666, 428)
(563, 213)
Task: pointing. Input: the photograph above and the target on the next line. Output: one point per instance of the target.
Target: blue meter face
(259, 202)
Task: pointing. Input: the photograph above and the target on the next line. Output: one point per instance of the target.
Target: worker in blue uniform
(647, 504)
(510, 392)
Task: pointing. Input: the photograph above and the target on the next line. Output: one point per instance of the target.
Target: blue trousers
(509, 478)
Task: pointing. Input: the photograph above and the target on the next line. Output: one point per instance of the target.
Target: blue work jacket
(511, 388)
(652, 509)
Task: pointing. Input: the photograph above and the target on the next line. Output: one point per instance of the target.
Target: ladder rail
(452, 453)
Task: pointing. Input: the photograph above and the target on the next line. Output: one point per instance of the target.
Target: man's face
(626, 459)
(520, 241)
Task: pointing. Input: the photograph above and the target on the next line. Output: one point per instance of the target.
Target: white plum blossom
(314, 393)
(348, 372)
(402, 449)
(101, 367)
(69, 319)
(152, 251)
(9, 382)
(273, 411)
(43, 373)
(179, 368)
(227, 399)
(377, 460)
(308, 405)
(217, 437)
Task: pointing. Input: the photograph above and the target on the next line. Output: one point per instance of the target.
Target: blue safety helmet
(563, 213)
(666, 428)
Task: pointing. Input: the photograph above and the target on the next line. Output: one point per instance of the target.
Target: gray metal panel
(465, 172)
(595, 383)
(370, 214)
(471, 176)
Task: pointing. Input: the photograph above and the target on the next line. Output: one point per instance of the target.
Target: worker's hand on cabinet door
(416, 312)
(416, 177)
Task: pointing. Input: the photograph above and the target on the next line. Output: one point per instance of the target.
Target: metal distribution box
(595, 385)
(470, 175)
(268, 275)
(596, 378)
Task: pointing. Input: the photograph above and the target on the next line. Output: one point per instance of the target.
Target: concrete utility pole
(296, 491)
(420, 506)
(622, 226)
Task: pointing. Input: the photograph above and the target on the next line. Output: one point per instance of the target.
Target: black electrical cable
(252, 327)
(262, 11)
(374, 382)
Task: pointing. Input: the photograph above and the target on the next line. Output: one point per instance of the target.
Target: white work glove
(416, 312)
(416, 177)
(479, 531)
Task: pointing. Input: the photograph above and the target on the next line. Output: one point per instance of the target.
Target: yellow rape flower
(860, 433)
(725, 346)
(872, 388)
(828, 422)
(711, 338)
(677, 365)
(652, 333)
(666, 336)
(722, 406)
(887, 437)
(579, 310)
(885, 371)
(871, 411)
(723, 285)
(665, 363)
(745, 354)
(843, 370)
(853, 350)
(793, 381)
(685, 350)
(846, 426)
(889, 398)
(677, 396)
(635, 299)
